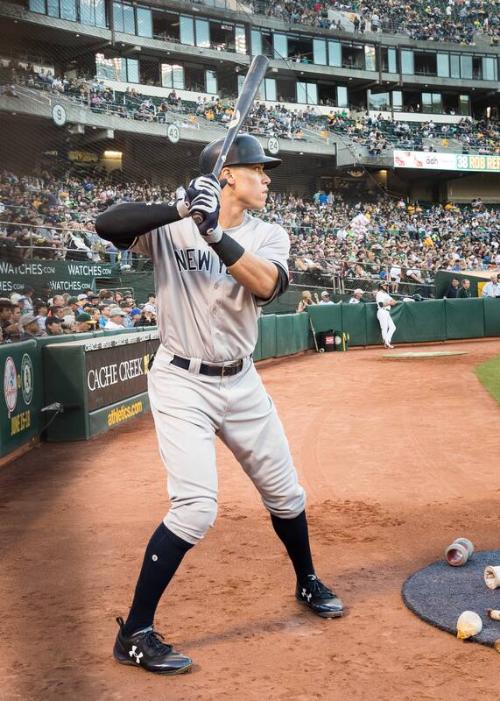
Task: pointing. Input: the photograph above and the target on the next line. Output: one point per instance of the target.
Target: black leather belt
(212, 370)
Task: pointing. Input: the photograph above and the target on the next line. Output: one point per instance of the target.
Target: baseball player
(212, 280)
(384, 303)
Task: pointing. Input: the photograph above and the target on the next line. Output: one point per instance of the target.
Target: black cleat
(145, 649)
(319, 598)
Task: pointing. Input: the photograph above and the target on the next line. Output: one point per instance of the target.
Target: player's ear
(227, 175)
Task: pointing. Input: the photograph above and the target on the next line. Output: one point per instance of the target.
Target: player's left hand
(203, 195)
(181, 202)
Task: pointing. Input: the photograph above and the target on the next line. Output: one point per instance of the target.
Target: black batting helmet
(246, 150)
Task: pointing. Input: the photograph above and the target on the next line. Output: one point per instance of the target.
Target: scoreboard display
(425, 160)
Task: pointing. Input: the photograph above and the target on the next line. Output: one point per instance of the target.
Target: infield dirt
(397, 459)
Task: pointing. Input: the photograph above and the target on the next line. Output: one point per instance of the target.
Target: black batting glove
(203, 195)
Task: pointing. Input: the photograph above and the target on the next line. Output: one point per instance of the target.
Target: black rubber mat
(439, 593)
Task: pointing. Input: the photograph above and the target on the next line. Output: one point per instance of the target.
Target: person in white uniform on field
(384, 303)
(212, 279)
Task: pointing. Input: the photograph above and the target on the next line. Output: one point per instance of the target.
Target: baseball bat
(253, 79)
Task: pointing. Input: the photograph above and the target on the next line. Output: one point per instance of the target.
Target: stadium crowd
(376, 133)
(436, 20)
(52, 217)
(47, 217)
(387, 238)
(24, 317)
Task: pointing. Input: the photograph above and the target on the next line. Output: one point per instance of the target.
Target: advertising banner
(101, 381)
(116, 373)
(59, 275)
(20, 401)
(424, 160)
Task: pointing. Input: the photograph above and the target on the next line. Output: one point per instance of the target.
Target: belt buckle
(228, 369)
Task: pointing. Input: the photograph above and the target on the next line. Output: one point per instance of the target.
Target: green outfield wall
(416, 322)
(101, 379)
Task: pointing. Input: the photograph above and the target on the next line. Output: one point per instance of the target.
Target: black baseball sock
(163, 556)
(294, 535)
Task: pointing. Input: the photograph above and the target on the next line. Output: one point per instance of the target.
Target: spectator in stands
(25, 301)
(84, 323)
(40, 311)
(53, 326)
(414, 275)
(57, 313)
(147, 318)
(357, 296)
(68, 320)
(30, 328)
(74, 304)
(94, 313)
(104, 312)
(452, 289)
(492, 288)
(325, 298)
(305, 301)
(464, 292)
(151, 302)
(106, 295)
(57, 301)
(5, 313)
(116, 319)
(135, 316)
(13, 330)
(395, 276)
(127, 320)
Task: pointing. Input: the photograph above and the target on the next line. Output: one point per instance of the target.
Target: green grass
(489, 376)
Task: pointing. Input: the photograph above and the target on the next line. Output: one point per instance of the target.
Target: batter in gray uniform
(211, 281)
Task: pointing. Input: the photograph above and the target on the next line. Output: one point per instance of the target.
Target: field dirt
(398, 458)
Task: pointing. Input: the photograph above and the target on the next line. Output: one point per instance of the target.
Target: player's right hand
(207, 207)
(203, 194)
(203, 184)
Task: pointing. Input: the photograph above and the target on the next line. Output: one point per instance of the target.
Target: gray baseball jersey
(203, 312)
(205, 315)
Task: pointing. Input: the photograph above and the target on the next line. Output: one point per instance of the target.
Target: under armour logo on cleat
(133, 653)
(305, 595)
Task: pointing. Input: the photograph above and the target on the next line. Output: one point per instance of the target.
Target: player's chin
(259, 202)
